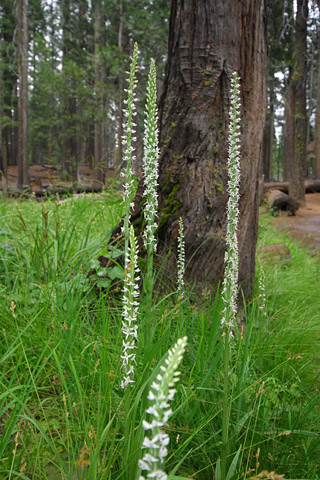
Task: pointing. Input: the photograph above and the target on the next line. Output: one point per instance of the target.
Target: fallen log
(49, 191)
(61, 190)
(311, 186)
(278, 200)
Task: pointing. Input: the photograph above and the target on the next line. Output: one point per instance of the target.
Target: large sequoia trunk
(208, 41)
(298, 82)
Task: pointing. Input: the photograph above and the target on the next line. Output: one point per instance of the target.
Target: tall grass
(63, 412)
(60, 369)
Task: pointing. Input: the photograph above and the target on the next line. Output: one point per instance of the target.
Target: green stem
(225, 408)
(148, 286)
(127, 431)
(148, 290)
(126, 237)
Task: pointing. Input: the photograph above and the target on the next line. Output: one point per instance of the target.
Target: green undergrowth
(61, 407)
(291, 335)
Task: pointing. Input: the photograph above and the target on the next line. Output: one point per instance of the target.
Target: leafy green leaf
(232, 470)
(116, 272)
(218, 470)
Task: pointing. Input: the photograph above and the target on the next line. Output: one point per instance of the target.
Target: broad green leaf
(233, 466)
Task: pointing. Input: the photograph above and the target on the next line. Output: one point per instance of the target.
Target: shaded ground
(48, 175)
(305, 225)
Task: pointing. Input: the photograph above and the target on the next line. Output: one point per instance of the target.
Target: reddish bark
(298, 82)
(208, 41)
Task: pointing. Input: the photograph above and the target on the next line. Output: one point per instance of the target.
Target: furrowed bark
(208, 41)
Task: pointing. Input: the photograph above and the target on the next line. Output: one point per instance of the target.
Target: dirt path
(305, 225)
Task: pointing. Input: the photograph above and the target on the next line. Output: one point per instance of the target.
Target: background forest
(78, 53)
(68, 71)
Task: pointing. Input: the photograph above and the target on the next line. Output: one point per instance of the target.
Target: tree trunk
(23, 92)
(310, 186)
(317, 126)
(13, 133)
(288, 95)
(271, 126)
(265, 150)
(65, 20)
(208, 41)
(3, 156)
(298, 80)
(9, 68)
(52, 36)
(310, 104)
(98, 128)
(2, 172)
(268, 137)
(288, 130)
(120, 83)
(3, 164)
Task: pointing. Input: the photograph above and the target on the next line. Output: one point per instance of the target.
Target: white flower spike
(151, 159)
(160, 394)
(130, 311)
(129, 135)
(181, 259)
(230, 283)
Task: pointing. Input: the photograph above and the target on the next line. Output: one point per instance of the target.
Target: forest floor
(305, 224)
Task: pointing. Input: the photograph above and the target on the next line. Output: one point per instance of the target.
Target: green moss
(166, 182)
(219, 187)
(207, 83)
(296, 76)
(167, 140)
(170, 197)
(169, 135)
(170, 207)
(217, 169)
